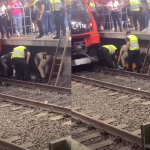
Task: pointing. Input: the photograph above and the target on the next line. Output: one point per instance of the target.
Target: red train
(85, 38)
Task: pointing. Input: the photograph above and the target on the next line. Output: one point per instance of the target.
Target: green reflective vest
(111, 48)
(56, 5)
(18, 52)
(134, 45)
(134, 5)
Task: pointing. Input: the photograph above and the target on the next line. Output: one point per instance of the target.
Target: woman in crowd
(45, 16)
(17, 12)
(3, 19)
(114, 7)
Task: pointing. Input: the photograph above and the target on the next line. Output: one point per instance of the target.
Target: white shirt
(2, 10)
(113, 5)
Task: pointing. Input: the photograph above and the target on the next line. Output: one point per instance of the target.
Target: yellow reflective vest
(34, 6)
(92, 6)
(134, 5)
(56, 5)
(148, 3)
(134, 45)
(111, 48)
(18, 52)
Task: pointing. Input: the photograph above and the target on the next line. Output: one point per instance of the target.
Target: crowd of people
(48, 16)
(114, 14)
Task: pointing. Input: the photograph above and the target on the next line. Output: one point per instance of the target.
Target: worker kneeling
(7, 64)
(108, 52)
(20, 59)
(133, 51)
(42, 62)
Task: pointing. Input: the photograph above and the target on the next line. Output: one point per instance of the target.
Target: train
(85, 37)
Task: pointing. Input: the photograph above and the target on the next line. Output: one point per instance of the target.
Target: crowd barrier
(106, 19)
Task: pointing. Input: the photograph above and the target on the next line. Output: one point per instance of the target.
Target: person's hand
(27, 62)
(40, 19)
(8, 18)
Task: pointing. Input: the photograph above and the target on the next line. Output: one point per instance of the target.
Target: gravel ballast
(38, 130)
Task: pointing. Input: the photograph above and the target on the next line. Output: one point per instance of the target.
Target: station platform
(31, 41)
(122, 35)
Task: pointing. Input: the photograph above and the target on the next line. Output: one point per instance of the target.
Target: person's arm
(9, 7)
(28, 57)
(42, 11)
(29, 4)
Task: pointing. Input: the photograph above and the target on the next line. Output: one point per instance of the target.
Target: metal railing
(25, 24)
(108, 19)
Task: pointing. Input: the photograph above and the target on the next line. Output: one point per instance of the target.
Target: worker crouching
(20, 59)
(133, 51)
(108, 52)
(43, 62)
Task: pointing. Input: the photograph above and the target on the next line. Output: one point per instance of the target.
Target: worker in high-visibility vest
(109, 54)
(58, 9)
(6, 62)
(133, 50)
(146, 9)
(136, 13)
(92, 7)
(20, 59)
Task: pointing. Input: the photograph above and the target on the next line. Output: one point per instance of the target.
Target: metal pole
(127, 17)
(24, 23)
(30, 20)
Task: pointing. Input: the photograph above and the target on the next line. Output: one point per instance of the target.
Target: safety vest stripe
(112, 51)
(134, 7)
(18, 52)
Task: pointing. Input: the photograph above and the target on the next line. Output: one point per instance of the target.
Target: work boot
(40, 37)
(43, 80)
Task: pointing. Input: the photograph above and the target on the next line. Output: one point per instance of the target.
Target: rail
(35, 85)
(121, 72)
(74, 114)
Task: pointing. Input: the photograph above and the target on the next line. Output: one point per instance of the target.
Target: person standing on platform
(7, 64)
(20, 63)
(17, 12)
(92, 7)
(133, 51)
(136, 13)
(42, 62)
(3, 19)
(114, 7)
(108, 52)
(59, 17)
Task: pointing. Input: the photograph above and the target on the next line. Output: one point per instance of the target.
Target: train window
(77, 6)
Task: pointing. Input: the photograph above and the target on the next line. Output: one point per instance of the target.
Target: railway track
(127, 107)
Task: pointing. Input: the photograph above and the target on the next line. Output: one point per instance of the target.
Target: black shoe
(39, 37)
(56, 37)
(136, 29)
(121, 30)
(2, 37)
(115, 30)
(44, 80)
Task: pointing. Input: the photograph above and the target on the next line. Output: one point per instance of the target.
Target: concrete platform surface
(31, 41)
(122, 35)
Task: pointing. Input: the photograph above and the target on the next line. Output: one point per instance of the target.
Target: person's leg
(69, 18)
(118, 21)
(114, 20)
(62, 22)
(139, 18)
(19, 23)
(57, 25)
(47, 67)
(50, 19)
(130, 60)
(1, 28)
(4, 21)
(41, 30)
(41, 68)
(106, 55)
(134, 19)
(16, 66)
(136, 60)
(45, 22)
(123, 58)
